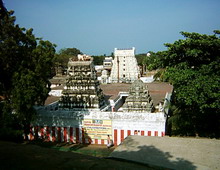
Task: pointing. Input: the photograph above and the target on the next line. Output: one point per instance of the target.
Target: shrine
(139, 99)
(81, 89)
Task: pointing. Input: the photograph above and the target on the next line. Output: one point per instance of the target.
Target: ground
(32, 156)
(171, 152)
(136, 152)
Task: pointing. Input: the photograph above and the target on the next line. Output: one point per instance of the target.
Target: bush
(9, 134)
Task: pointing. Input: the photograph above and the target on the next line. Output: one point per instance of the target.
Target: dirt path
(27, 156)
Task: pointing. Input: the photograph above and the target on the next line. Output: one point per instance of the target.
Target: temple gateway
(125, 68)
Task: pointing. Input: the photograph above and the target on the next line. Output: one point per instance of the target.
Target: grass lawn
(92, 150)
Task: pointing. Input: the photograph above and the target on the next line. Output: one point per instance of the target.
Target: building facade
(125, 68)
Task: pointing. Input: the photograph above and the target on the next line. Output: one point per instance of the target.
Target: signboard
(97, 129)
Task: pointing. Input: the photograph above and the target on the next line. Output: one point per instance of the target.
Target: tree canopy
(64, 54)
(25, 68)
(192, 66)
(98, 60)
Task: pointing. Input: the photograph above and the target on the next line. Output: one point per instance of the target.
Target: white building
(107, 63)
(125, 68)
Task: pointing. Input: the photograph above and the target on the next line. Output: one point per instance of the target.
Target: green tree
(192, 66)
(25, 67)
(64, 54)
(98, 60)
(140, 58)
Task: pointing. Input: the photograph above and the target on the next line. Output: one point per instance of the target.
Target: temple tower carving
(82, 88)
(125, 68)
(139, 99)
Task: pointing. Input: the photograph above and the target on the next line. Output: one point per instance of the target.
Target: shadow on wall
(150, 156)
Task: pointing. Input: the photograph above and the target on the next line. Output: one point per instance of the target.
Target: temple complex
(81, 89)
(139, 99)
(77, 111)
(125, 68)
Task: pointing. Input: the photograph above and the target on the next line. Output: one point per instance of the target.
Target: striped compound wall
(77, 134)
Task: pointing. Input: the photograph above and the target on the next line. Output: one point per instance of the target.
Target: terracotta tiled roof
(51, 99)
(157, 90)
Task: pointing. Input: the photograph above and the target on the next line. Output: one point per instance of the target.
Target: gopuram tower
(82, 88)
(139, 99)
(125, 68)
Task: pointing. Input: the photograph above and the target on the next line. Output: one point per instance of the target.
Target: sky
(96, 27)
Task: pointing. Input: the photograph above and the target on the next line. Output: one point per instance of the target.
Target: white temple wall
(60, 125)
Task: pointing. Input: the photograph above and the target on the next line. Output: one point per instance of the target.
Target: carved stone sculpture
(82, 87)
(139, 99)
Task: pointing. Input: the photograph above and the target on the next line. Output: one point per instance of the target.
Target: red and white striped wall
(59, 134)
(77, 135)
(119, 134)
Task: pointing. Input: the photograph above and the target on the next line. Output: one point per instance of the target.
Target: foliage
(25, 67)
(64, 54)
(192, 66)
(141, 58)
(98, 60)
(10, 134)
(155, 60)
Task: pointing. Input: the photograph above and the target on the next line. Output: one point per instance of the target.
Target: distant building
(105, 77)
(107, 63)
(107, 67)
(125, 68)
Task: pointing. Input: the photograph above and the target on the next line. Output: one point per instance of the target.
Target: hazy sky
(98, 26)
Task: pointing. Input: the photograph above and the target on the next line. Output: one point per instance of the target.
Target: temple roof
(157, 90)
